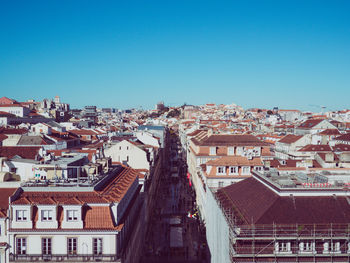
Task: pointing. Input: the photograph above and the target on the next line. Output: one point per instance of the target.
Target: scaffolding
(286, 242)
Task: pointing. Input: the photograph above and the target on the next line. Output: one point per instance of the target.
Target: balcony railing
(63, 258)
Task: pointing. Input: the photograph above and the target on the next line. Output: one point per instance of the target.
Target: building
(205, 147)
(313, 126)
(4, 222)
(275, 218)
(288, 147)
(74, 222)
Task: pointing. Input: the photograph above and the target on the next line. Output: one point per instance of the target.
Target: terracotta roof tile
(26, 152)
(5, 193)
(330, 132)
(235, 161)
(308, 124)
(316, 148)
(341, 148)
(290, 138)
(344, 137)
(229, 140)
(98, 217)
(255, 203)
(13, 131)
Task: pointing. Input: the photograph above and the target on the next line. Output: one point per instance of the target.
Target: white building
(128, 153)
(74, 223)
(15, 109)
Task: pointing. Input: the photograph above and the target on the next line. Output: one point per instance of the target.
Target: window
(21, 215)
(72, 215)
(282, 247)
(97, 246)
(221, 170)
(305, 247)
(46, 246)
(221, 184)
(245, 170)
(230, 151)
(21, 246)
(72, 246)
(233, 170)
(46, 215)
(335, 247)
(212, 150)
(127, 147)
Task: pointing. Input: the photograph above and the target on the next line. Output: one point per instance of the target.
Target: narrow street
(174, 234)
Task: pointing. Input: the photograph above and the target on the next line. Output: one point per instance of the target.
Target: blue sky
(289, 54)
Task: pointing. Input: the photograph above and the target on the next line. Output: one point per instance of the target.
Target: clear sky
(289, 54)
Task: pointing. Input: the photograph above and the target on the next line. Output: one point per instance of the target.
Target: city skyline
(122, 54)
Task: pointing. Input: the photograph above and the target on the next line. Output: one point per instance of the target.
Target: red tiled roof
(6, 114)
(288, 163)
(315, 164)
(330, 132)
(26, 152)
(309, 123)
(234, 161)
(13, 131)
(3, 137)
(233, 140)
(255, 203)
(290, 138)
(94, 217)
(341, 148)
(344, 137)
(316, 148)
(113, 191)
(5, 193)
(98, 217)
(11, 105)
(323, 156)
(83, 132)
(5, 100)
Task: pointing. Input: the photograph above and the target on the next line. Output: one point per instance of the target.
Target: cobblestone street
(174, 235)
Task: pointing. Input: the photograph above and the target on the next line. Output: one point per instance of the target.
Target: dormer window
(233, 170)
(46, 215)
(21, 215)
(221, 170)
(72, 215)
(246, 170)
(230, 151)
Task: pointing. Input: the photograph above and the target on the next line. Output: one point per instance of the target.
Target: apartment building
(72, 222)
(275, 218)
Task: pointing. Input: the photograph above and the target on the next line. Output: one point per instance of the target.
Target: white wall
(217, 231)
(123, 150)
(59, 242)
(24, 170)
(147, 138)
